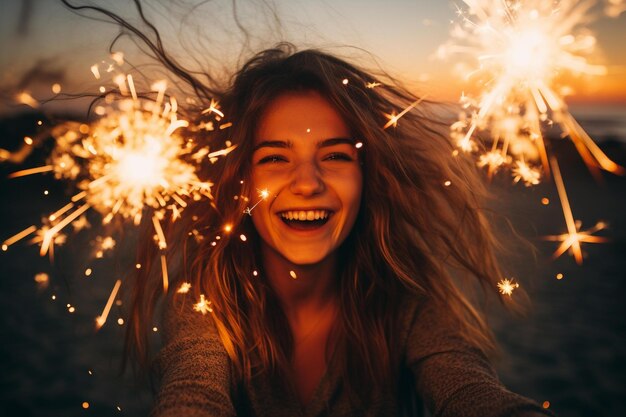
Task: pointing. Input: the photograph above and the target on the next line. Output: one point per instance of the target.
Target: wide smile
(305, 219)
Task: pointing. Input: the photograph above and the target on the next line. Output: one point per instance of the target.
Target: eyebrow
(285, 144)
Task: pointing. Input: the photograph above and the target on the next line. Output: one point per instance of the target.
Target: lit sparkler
(131, 160)
(522, 50)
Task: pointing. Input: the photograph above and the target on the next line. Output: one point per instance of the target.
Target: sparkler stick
(102, 318)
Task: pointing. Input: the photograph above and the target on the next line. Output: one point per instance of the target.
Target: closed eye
(338, 156)
(272, 159)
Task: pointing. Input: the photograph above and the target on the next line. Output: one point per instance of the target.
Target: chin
(306, 256)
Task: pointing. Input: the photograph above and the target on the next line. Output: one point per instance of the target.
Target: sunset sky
(44, 39)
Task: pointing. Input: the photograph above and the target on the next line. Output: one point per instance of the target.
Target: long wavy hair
(421, 229)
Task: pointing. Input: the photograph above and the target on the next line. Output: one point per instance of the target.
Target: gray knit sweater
(451, 378)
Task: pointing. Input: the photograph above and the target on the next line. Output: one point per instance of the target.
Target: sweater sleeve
(455, 379)
(193, 365)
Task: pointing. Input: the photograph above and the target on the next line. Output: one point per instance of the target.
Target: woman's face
(307, 161)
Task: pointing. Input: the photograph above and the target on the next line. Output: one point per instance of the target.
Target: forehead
(292, 115)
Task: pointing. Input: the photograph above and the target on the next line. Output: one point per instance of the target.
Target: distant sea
(602, 121)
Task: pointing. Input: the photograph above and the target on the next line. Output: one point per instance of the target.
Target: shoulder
(428, 328)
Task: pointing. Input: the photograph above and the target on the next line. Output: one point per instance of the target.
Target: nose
(307, 179)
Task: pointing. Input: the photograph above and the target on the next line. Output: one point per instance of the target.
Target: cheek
(352, 190)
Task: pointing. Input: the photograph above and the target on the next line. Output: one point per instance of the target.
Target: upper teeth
(304, 215)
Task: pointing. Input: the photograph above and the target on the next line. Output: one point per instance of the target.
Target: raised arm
(456, 379)
(193, 365)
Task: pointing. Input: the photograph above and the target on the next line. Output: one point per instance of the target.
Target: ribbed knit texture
(453, 379)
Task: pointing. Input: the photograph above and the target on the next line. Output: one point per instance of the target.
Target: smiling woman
(340, 300)
(334, 294)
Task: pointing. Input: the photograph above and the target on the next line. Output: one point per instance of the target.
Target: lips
(305, 219)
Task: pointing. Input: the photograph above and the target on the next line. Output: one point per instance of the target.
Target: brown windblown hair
(412, 233)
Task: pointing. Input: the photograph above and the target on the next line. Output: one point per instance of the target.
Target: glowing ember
(42, 279)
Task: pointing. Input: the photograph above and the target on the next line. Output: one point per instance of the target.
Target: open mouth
(305, 219)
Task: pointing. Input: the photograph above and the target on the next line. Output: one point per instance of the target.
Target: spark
(203, 306)
(213, 108)
(25, 98)
(221, 152)
(574, 237)
(30, 171)
(164, 273)
(159, 232)
(393, 118)
(506, 286)
(95, 71)
(102, 318)
(42, 279)
(525, 173)
(571, 241)
(18, 236)
(103, 244)
(293, 275)
(263, 194)
(184, 288)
